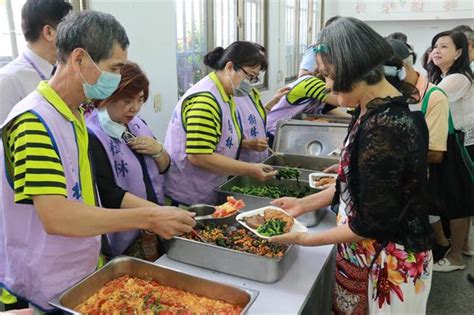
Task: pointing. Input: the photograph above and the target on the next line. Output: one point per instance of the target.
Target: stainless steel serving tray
(122, 265)
(229, 261)
(308, 138)
(325, 118)
(255, 202)
(305, 163)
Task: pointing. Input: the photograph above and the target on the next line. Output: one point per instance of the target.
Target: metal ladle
(202, 211)
(205, 212)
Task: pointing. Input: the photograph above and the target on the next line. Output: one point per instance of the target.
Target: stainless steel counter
(306, 287)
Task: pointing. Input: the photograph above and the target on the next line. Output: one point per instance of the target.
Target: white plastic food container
(315, 176)
(297, 226)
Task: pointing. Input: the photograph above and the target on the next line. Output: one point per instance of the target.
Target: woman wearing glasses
(204, 135)
(253, 115)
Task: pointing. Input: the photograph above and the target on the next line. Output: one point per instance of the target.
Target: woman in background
(253, 117)
(306, 94)
(451, 72)
(204, 135)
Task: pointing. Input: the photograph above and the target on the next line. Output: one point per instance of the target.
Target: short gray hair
(94, 31)
(355, 51)
(467, 30)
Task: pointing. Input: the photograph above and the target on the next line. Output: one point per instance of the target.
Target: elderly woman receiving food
(384, 261)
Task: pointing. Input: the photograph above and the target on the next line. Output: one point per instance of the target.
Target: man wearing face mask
(204, 135)
(253, 115)
(50, 219)
(39, 20)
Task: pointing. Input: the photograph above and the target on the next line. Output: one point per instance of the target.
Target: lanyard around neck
(41, 74)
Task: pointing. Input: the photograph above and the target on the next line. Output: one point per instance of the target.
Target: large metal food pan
(325, 118)
(306, 164)
(233, 262)
(304, 174)
(308, 138)
(255, 202)
(122, 265)
(224, 190)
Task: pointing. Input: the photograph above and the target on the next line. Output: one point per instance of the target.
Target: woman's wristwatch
(159, 154)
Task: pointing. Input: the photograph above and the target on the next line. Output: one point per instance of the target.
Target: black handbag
(451, 182)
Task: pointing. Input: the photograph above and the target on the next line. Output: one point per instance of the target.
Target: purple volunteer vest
(127, 172)
(185, 182)
(284, 110)
(35, 265)
(253, 126)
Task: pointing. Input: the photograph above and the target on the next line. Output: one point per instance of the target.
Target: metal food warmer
(306, 164)
(229, 261)
(254, 202)
(320, 118)
(309, 138)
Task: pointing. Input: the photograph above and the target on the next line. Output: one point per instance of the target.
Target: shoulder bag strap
(425, 102)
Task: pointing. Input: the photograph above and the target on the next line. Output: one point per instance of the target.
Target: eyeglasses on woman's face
(253, 77)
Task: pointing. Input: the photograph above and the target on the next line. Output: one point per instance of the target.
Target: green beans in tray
(288, 173)
(272, 192)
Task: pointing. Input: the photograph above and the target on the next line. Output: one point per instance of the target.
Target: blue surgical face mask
(112, 128)
(105, 85)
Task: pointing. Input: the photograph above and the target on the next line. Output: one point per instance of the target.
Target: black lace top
(386, 167)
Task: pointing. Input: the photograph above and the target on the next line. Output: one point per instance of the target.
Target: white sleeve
(456, 86)
(309, 60)
(9, 94)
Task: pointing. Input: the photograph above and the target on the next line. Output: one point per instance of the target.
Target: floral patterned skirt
(399, 282)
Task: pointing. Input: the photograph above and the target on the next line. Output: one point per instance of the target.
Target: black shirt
(387, 169)
(111, 195)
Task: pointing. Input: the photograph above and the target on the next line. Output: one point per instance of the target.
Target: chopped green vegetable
(150, 304)
(288, 173)
(156, 307)
(272, 227)
(221, 242)
(272, 191)
(146, 298)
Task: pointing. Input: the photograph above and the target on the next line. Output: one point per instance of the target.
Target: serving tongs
(199, 237)
(271, 150)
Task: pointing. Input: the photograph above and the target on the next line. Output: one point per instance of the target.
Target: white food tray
(297, 226)
(314, 176)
